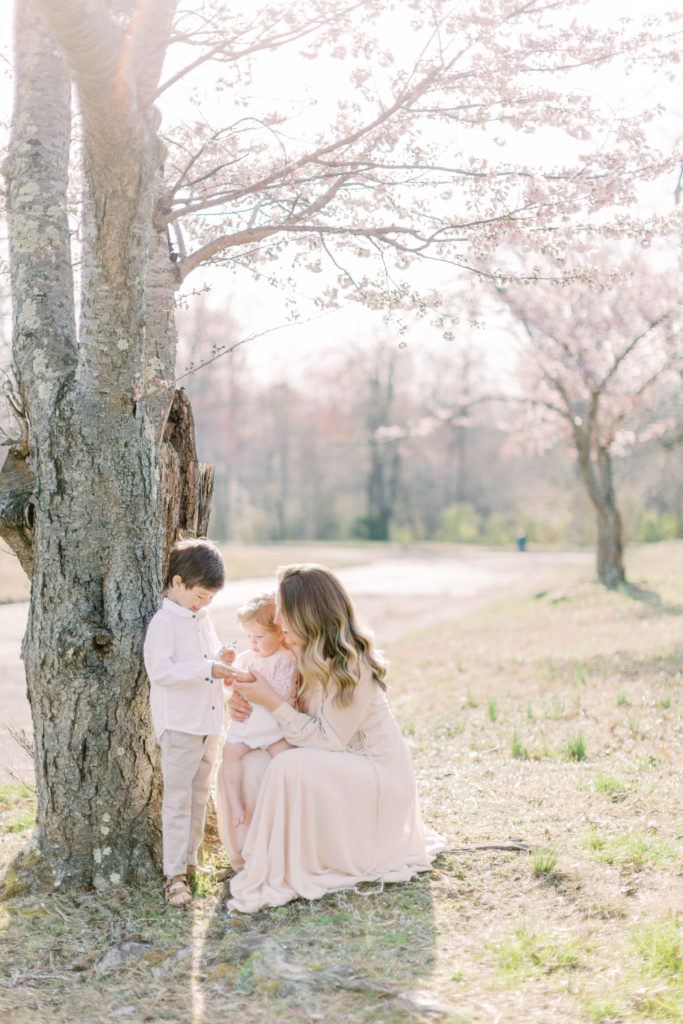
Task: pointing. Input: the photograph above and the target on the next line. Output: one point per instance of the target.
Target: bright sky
(284, 351)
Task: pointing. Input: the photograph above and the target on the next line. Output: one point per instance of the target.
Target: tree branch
(625, 353)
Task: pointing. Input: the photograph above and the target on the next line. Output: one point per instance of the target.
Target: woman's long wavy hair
(319, 612)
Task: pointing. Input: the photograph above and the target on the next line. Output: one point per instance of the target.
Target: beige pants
(187, 762)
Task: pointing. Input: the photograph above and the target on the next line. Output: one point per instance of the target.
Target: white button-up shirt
(180, 649)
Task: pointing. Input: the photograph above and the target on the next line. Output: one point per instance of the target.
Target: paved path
(395, 596)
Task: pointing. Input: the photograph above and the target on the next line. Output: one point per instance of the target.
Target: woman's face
(280, 619)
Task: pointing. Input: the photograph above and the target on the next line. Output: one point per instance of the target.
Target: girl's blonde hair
(260, 609)
(333, 646)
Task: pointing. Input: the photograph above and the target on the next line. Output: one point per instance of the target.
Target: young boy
(182, 655)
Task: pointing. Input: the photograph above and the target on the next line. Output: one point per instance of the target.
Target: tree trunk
(97, 535)
(595, 468)
(610, 552)
(96, 583)
(187, 485)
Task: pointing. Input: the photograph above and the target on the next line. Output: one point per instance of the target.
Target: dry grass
(584, 929)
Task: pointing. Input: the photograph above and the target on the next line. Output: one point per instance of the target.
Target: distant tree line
(382, 443)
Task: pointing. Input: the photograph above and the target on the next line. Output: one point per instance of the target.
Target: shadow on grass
(124, 954)
(354, 955)
(649, 597)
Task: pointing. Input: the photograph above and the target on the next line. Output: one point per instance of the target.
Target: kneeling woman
(341, 807)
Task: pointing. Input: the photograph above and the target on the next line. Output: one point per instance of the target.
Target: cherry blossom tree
(593, 363)
(412, 153)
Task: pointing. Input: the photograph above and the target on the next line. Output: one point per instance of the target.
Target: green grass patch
(660, 946)
(17, 808)
(634, 849)
(614, 788)
(527, 952)
(544, 860)
(575, 747)
(12, 792)
(23, 821)
(517, 748)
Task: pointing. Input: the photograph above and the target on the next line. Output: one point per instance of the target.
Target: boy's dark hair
(198, 562)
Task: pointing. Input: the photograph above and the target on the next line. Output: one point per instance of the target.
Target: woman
(341, 807)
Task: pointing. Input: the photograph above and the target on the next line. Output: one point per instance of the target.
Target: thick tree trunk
(97, 535)
(97, 581)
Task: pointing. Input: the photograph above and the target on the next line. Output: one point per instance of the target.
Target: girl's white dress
(339, 809)
(261, 728)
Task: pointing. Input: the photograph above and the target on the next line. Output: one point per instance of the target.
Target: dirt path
(396, 596)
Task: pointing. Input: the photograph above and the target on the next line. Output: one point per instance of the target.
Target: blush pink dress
(339, 809)
(280, 669)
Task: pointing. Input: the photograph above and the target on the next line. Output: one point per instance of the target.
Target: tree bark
(16, 508)
(98, 534)
(610, 551)
(595, 468)
(187, 484)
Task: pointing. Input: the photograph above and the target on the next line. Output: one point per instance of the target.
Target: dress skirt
(320, 820)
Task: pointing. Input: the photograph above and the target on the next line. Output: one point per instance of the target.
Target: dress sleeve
(161, 668)
(283, 679)
(333, 727)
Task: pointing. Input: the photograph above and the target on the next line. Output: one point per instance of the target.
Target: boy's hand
(221, 671)
(227, 654)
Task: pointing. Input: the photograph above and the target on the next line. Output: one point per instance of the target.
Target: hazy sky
(286, 351)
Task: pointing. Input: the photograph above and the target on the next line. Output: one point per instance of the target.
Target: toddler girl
(268, 655)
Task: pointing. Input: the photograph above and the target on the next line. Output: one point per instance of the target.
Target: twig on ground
(513, 845)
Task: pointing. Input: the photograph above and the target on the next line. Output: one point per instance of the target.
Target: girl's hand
(257, 689)
(227, 654)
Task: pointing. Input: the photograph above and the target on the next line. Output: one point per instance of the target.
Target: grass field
(554, 720)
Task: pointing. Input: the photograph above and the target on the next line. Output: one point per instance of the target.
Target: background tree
(590, 364)
(372, 378)
(441, 391)
(103, 471)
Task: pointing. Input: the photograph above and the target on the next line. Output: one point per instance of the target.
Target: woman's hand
(239, 708)
(257, 689)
